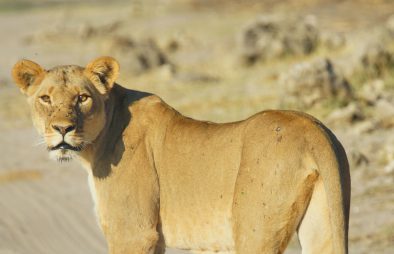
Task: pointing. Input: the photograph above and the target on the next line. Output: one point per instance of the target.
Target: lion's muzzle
(65, 146)
(63, 129)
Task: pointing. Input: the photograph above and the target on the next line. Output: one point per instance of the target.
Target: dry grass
(19, 175)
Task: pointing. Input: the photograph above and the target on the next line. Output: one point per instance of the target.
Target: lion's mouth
(65, 146)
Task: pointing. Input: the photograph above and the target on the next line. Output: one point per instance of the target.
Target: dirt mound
(332, 41)
(309, 83)
(137, 56)
(87, 31)
(60, 31)
(371, 111)
(372, 91)
(375, 59)
(350, 114)
(271, 37)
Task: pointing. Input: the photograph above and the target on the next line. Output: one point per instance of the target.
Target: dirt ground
(46, 207)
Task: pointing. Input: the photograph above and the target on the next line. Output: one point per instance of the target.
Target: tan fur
(161, 179)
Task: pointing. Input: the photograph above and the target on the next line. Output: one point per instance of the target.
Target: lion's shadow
(119, 120)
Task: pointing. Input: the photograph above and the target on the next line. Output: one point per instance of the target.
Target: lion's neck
(96, 155)
(100, 156)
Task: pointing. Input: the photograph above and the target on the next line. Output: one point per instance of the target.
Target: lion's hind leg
(267, 214)
(314, 231)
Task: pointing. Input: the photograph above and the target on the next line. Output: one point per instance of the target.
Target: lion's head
(67, 102)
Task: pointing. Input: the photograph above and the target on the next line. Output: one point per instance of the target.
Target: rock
(367, 126)
(309, 83)
(62, 31)
(384, 113)
(347, 115)
(390, 25)
(389, 168)
(372, 91)
(137, 56)
(195, 77)
(374, 60)
(172, 45)
(86, 31)
(386, 158)
(269, 37)
(4, 82)
(52, 34)
(357, 159)
(384, 33)
(333, 40)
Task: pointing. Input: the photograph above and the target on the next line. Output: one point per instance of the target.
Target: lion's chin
(62, 155)
(64, 151)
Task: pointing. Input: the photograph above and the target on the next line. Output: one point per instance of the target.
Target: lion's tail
(334, 170)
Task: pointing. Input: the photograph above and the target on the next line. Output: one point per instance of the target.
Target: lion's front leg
(129, 223)
(128, 211)
(131, 232)
(145, 242)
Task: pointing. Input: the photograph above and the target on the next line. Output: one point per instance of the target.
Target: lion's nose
(63, 129)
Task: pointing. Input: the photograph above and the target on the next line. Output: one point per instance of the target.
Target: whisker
(41, 141)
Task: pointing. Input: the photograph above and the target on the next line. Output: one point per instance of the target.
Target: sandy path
(45, 207)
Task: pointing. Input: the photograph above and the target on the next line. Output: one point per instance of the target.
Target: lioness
(161, 179)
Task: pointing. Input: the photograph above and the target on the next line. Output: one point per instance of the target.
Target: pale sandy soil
(45, 207)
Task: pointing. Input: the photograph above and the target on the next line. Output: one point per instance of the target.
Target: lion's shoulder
(150, 105)
(147, 110)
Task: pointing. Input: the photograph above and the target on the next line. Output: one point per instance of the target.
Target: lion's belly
(198, 230)
(197, 172)
(196, 209)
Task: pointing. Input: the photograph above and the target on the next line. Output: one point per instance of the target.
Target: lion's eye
(45, 99)
(82, 98)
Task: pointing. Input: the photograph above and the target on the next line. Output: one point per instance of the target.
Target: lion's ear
(103, 72)
(27, 76)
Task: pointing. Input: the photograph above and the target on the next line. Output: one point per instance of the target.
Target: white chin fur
(61, 155)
